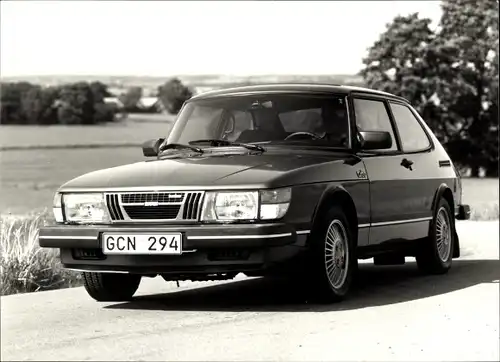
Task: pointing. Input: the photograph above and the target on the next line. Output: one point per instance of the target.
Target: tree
(451, 76)
(394, 63)
(10, 102)
(100, 91)
(104, 113)
(130, 98)
(173, 94)
(470, 29)
(76, 104)
(38, 105)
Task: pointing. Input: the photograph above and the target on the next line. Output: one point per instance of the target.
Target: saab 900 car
(289, 179)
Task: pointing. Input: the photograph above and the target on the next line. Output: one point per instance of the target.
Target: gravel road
(393, 315)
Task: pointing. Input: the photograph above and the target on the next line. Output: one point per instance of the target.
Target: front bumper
(206, 248)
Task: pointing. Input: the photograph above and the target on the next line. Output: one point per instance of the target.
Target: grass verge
(485, 212)
(25, 267)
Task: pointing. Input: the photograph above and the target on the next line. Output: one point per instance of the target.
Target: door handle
(407, 163)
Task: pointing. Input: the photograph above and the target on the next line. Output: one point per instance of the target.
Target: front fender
(354, 197)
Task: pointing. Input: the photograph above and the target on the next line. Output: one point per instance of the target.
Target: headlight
(57, 208)
(229, 206)
(85, 208)
(237, 205)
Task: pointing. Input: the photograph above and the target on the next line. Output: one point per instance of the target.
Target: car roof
(294, 88)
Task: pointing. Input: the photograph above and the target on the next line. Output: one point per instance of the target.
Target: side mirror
(375, 140)
(151, 147)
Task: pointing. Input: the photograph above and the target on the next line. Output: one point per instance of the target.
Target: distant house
(151, 104)
(113, 101)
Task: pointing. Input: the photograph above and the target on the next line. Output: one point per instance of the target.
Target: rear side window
(371, 115)
(413, 136)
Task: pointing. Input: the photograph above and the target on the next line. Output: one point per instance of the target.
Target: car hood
(206, 172)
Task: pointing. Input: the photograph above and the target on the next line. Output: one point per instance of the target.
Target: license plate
(161, 243)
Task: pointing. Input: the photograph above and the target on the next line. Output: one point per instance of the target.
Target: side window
(413, 136)
(372, 115)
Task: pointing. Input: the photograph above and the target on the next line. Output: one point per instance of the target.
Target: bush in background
(74, 103)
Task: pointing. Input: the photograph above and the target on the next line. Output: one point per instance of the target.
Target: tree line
(172, 94)
(450, 74)
(24, 103)
(78, 103)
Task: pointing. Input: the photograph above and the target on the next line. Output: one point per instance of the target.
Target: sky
(161, 38)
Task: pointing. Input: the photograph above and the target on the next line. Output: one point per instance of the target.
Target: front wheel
(333, 260)
(111, 287)
(436, 253)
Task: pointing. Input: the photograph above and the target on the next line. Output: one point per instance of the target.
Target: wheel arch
(445, 192)
(337, 195)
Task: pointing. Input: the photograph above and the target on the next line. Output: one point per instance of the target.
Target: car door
(429, 168)
(397, 199)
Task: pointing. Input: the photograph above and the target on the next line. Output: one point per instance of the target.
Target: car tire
(111, 287)
(330, 276)
(435, 255)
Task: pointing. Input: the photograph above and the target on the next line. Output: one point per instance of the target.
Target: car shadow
(377, 286)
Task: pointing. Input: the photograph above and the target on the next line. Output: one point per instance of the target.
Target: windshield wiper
(216, 143)
(180, 146)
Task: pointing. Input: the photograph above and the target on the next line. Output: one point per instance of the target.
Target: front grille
(163, 212)
(158, 206)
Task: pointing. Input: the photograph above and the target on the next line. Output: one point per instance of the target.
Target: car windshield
(295, 119)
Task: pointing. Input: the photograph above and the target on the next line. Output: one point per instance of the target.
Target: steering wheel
(312, 135)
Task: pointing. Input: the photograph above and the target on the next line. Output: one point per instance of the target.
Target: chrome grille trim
(188, 202)
(113, 207)
(139, 198)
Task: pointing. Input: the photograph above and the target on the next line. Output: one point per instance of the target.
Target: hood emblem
(151, 203)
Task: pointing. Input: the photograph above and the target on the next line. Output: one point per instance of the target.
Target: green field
(136, 130)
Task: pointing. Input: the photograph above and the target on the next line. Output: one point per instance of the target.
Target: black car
(287, 179)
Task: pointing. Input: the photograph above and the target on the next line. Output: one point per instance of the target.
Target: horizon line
(181, 75)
